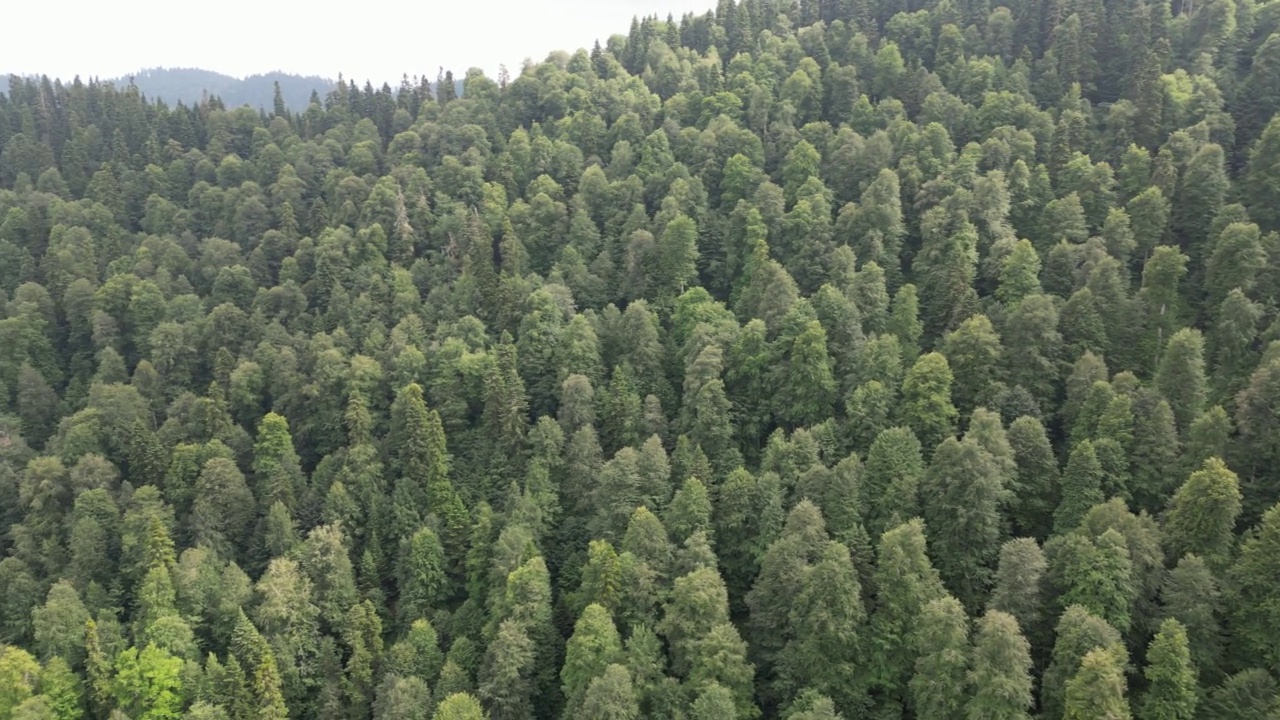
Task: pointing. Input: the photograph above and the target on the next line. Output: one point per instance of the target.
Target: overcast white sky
(365, 40)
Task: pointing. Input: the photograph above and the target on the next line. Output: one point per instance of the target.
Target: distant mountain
(257, 91)
(189, 85)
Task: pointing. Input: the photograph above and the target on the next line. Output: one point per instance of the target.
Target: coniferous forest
(842, 359)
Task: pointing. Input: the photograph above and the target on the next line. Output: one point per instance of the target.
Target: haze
(364, 41)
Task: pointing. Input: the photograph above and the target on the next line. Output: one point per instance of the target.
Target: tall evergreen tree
(939, 682)
(1001, 674)
(1173, 691)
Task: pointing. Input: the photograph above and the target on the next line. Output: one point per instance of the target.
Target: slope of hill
(796, 361)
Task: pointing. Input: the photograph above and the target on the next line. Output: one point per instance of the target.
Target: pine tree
(946, 266)
(1261, 188)
(1033, 495)
(698, 603)
(806, 388)
(264, 676)
(1018, 590)
(421, 576)
(689, 511)
(782, 570)
(611, 696)
(891, 478)
(1199, 197)
(1247, 695)
(829, 625)
(972, 351)
(1191, 596)
(277, 475)
(459, 706)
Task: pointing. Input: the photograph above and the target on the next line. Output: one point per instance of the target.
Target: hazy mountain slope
(189, 84)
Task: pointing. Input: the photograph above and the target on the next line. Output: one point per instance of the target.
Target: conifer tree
(891, 478)
(1081, 487)
(1034, 492)
(1191, 595)
(972, 351)
(906, 581)
(1202, 514)
(829, 624)
(1172, 693)
(1255, 613)
(1078, 633)
(926, 400)
(963, 512)
(593, 647)
(1180, 376)
(1098, 690)
(782, 570)
(611, 696)
(939, 682)
(1018, 589)
(1001, 674)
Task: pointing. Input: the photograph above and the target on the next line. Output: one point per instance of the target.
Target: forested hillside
(843, 360)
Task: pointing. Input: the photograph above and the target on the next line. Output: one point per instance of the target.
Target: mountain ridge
(190, 85)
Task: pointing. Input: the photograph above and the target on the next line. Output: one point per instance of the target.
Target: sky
(364, 41)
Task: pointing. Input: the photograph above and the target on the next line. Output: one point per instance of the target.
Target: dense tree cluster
(838, 359)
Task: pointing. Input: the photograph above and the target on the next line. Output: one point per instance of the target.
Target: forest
(801, 360)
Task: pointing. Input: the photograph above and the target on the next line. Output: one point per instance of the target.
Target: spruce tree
(1173, 692)
(1202, 514)
(1191, 595)
(1078, 633)
(1081, 487)
(891, 479)
(906, 581)
(1255, 612)
(1098, 690)
(939, 682)
(926, 400)
(963, 513)
(592, 648)
(1018, 587)
(1180, 376)
(1001, 674)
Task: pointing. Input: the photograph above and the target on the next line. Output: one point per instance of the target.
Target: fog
(375, 41)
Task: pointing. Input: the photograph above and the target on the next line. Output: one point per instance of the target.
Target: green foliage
(1202, 514)
(939, 683)
(1173, 691)
(1001, 674)
(926, 400)
(1081, 487)
(751, 336)
(148, 683)
(963, 515)
(1098, 689)
(594, 646)
(459, 706)
(1078, 633)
